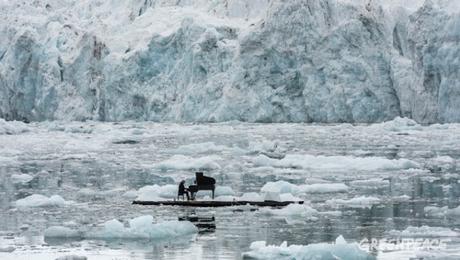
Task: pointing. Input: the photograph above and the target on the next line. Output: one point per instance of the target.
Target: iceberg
(339, 250)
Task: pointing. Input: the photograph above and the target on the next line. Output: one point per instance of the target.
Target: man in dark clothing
(182, 190)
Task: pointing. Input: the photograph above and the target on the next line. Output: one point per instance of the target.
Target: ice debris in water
(286, 187)
(251, 196)
(208, 147)
(293, 211)
(139, 228)
(21, 178)
(340, 250)
(399, 124)
(434, 211)
(341, 163)
(62, 232)
(357, 202)
(37, 200)
(425, 231)
(12, 127)
(181, 162)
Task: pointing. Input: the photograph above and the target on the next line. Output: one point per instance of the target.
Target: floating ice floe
(251, 196)
(340, 163)
(433, 211)
(399, 124)
(208, 147)
(293, 211)
(138, 228)
(88, 193)
(370, 183)
(340, 250)
(12, 127)
(181, 162)
(358, 202)
(21, 178)
(425, 231)
(37, 200)
(62, 232)
(286, 187)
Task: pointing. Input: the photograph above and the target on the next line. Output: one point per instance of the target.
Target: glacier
(325, 61)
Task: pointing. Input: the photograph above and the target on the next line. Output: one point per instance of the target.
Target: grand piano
(202, 183)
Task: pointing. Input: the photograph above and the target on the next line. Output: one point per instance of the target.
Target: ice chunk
(280, 187)
(324, 188)
(143, 227)
(180, 162)
(224, 191)
(139, 228)
(288, 197)
(433, 211)
(61, 232)
(340, 250)
(357, 202)
(399, 124)
(272, 196)
(156, 192)
(21, 178)
(292, 210)
(286, 187)
(12, 127)
(208, 147)
(37, 200)
(251, 196)
(338, 163)
(370, 183)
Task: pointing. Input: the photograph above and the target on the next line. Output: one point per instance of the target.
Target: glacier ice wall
(218, 60)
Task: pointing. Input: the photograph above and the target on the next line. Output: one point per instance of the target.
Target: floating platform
(214, 204)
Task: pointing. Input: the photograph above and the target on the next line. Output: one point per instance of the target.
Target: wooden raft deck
(214, 204)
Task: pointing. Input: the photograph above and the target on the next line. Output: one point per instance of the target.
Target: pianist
(183, 191)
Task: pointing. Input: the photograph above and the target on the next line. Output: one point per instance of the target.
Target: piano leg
(213, 194)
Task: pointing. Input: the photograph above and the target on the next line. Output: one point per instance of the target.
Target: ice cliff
(218, 60)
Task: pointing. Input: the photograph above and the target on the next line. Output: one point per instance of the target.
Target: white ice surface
(38, 200)
(340, 250)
